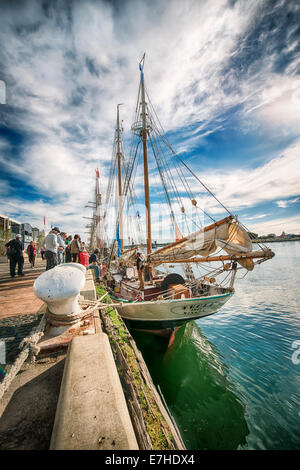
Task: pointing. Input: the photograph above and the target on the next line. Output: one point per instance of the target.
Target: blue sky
(223, 75)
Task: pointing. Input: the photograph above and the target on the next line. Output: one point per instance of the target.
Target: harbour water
(232, 380)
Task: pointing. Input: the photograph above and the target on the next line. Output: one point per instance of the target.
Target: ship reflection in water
(195, 385)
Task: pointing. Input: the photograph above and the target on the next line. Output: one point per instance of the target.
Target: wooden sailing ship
(152, 299)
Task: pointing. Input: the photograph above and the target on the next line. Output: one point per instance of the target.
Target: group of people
(59, 248)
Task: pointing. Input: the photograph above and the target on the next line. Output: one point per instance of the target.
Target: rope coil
(29, 349)
(68, 319)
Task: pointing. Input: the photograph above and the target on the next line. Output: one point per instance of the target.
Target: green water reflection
(195, 385)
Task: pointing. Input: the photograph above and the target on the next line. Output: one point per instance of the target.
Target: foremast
(97, 212)
(145, 155)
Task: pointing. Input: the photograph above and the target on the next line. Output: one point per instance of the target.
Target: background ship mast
(95, 225)
(97, 216)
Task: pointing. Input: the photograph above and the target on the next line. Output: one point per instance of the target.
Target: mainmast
(97, 210)
(119, 155)
(145, 154)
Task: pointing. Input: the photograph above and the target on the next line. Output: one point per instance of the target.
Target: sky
(223, 76)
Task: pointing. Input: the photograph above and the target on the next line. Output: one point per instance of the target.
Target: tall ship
(158, 287)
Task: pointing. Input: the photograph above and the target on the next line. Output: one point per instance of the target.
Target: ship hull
(169, 314)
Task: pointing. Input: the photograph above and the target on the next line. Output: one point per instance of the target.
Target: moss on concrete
(154, 421)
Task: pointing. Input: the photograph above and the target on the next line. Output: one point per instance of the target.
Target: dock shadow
(27, 421)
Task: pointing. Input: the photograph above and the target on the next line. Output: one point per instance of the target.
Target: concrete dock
(16, 295)
(92, 413)
(71, 397)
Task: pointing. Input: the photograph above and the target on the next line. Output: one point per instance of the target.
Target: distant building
(14, 226)
(35, 233)
(6, 223)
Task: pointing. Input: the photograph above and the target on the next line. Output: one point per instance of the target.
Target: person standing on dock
(140, 267)
(68, 257)
(31, 251)
(75, 248)
(93, 264)
(15, 253)
(50, 244)
(61, 247)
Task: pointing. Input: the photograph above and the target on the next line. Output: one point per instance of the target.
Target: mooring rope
(30, 348)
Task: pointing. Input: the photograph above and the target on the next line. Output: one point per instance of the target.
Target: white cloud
(279, 103)
(277, 226)
(278, 178)
(66, 215)
(66, 72)
(285, 203)
(255, 217)
(4, 188)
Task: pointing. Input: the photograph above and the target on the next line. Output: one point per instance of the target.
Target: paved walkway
(16, 294)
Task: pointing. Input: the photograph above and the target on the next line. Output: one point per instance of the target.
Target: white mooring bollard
(59, 288)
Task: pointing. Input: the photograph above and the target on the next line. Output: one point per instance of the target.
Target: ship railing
(168, 294)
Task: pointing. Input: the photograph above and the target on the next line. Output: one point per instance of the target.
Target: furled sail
(224, 234)
(128, 257)
(238, 241)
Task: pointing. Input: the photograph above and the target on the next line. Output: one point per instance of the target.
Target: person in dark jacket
(15, 250)
(68, 256)
(93, 260)
(31, 251)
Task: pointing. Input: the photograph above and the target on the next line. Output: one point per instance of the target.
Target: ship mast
(119, 155)
(145, 154)
(94, 225)
(97, 212)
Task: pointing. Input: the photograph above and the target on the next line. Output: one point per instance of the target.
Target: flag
(119, 241)
(44, 221)
(97, 173)
(142, 60)
(142, 67)
(138, 215)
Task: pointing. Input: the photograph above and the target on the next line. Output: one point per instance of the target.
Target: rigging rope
(176, 166)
